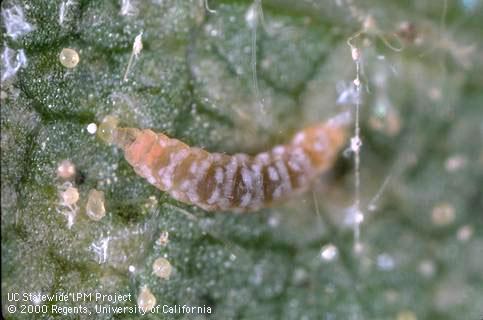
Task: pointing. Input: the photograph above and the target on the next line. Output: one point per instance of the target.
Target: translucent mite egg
(443, 214)
(162, 268)
(107, 127)
(427, 268)
(146, 299)
(455, 162)
(464, 233)
(95, 205)
(70, 196)
(406, 315)
(66, 169)
(69, 58)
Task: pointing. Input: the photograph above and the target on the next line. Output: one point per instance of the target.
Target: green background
(421, 111)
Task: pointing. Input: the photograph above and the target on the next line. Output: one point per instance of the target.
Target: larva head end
(107, 128)
(110, 133)
(124, 137)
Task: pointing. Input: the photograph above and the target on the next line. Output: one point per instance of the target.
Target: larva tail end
(343, 119)
(323, 141)
(337, 129)
(111, 134)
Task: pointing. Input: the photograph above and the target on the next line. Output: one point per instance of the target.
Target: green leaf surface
(421, 247)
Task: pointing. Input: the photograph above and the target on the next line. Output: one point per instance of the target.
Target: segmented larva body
(216, 181)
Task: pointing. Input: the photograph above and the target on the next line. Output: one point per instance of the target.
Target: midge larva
(216, 181)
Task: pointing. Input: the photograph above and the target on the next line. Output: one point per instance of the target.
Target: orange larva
(216, 181)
